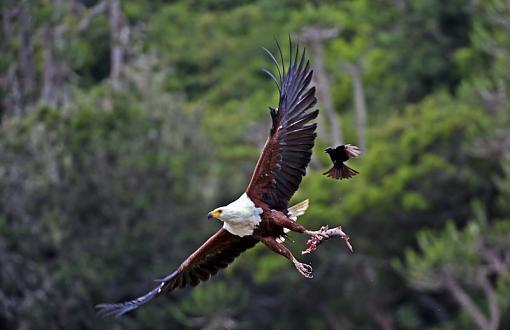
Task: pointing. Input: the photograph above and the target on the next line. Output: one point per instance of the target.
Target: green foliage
(81, 160)
(426, 149)
(211, 304)
(108, 190)
(465, 256)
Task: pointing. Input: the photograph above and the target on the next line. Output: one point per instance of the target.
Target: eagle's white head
(240, 217)
(219, 213)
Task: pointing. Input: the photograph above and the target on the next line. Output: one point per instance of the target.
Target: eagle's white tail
(294, 212)
(298, 209)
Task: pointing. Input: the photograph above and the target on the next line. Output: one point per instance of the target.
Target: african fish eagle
(262, 213)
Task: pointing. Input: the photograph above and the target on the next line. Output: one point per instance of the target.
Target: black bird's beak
(209, 215)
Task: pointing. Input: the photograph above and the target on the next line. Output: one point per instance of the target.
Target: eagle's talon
(321, 234)
(304, 269)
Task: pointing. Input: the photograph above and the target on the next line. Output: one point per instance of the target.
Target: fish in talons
(320, 236)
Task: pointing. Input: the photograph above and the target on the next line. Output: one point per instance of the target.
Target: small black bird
(339, 155)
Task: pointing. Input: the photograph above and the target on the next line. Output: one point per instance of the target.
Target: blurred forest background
(123, 122)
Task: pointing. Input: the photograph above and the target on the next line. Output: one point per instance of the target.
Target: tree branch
(492, 301)
(119, 34)
(355, 72)
(499, 265)
(465, 301)
(91, 13)
(315, 36)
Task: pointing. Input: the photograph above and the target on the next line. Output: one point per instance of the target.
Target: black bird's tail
(340, 172)
(119, 309)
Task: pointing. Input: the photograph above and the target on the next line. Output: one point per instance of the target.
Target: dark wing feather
(288, 149)
(215, 254)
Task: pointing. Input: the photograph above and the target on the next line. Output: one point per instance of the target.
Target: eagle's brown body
(277, 175)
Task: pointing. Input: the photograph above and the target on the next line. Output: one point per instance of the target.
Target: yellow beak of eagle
(214, 214)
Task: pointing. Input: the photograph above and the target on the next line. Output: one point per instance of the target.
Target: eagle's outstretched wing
(215, 254)
(277, 176)
(288, 149)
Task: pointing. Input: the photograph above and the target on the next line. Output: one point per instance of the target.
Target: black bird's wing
(339, 155)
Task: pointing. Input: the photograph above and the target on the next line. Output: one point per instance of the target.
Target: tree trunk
(49, 69)
(359, 103)
(26, 62)
(12, 102)
(315, 36)
(117, 49)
